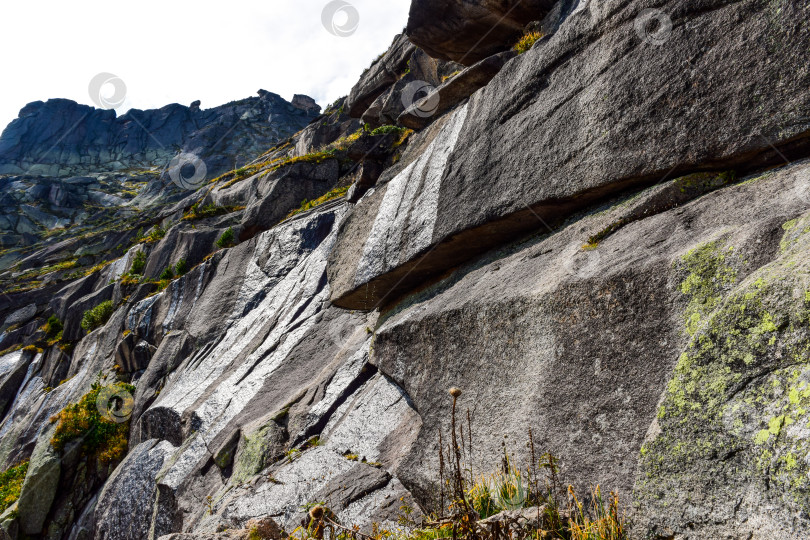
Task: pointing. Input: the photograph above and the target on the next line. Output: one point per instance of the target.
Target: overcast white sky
(177, 51)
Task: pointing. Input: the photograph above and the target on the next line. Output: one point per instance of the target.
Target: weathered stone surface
(182, 243)
(282, 191)
(392, 226)
(423, 75)
(653, 337)
(547, 322)
(334, 124)
(469, 31)
(384, 72)
(452, 92)
(542, 140)
(133, 354)
(124, 508)
(73, 318)
(39, 488)
(21, 316)
(13, 367)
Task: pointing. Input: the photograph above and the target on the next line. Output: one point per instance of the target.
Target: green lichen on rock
(256, 451)
(734, 417)
(709, 275)
(704, 182)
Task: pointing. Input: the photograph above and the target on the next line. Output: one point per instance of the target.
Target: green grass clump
(227, 239)
(97, 316)
(307, 205)
(167, 274)
(11, 481)
(101, 437)
(38, 272)
(196, 213)
(527, 41)
(314, 157)
(385, 130)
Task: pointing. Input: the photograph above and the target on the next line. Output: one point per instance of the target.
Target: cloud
(178, 51)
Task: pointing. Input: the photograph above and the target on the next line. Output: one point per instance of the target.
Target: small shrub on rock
(53, 327)
(101, 437)
(155, 235)
(227, 239)
(138, 263)
(167, 274)
(97, 316)
(181, 267)
(11, 481)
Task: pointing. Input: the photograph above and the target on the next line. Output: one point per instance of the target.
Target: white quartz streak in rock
(407, 215)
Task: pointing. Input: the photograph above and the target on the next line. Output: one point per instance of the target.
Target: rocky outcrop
(602, 242)
(544, 141)
(451, 92)
(545, 323)
(60, 137)
(399, 78)
(382, 73)
(467, 32)
(124, 507)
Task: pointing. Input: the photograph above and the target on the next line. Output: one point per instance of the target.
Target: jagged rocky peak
(601, 240)
(61, 138)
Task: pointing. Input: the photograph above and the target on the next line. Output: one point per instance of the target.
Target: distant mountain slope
(60, 137)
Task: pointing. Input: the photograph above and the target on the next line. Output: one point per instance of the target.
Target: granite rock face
(602, 241)
(568, 123)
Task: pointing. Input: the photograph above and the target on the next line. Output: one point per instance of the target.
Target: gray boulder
(283, 191)
(382, 73)
(21, 316)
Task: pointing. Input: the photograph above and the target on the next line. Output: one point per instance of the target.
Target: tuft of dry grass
(308, 205)
(527, 41)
